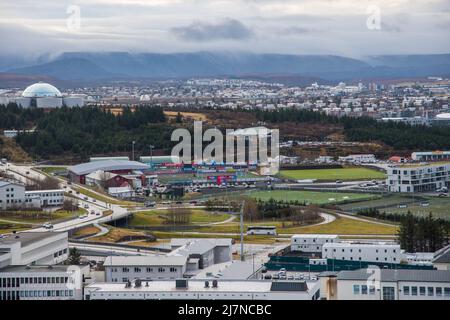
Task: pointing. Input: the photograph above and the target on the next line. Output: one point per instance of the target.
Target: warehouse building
(418, 178)
(79, 172)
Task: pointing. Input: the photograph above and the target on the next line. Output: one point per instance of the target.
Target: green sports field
(333, 174)
(311, 197)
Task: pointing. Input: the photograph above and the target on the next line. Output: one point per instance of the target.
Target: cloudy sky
(353, 28)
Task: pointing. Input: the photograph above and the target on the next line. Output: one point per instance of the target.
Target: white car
(47, 225)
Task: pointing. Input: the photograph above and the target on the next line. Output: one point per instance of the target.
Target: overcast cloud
(282, 26)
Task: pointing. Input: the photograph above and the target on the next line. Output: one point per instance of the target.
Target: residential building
(369, 252)
(359, 158)
(45, 197)
(431, 156)
(127, 268)
(418, 178)
(59, 282)
(33, 248)
(384, 284)
(11, 195)
(311, 243)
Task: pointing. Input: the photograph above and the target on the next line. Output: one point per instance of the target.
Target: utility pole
(151, 156)
(132, 150)
(242, 231)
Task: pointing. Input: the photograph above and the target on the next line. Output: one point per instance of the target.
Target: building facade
(371, 252)
(311, 243)
(418, 178)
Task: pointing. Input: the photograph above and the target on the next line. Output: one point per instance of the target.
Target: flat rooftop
(254, 286)
(37, 269)
(160, 260)
(26, 238)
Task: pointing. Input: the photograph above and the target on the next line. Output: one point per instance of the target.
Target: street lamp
(132, 150)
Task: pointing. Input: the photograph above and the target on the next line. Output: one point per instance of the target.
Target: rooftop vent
(214, 283)
(181, 283)
(137, 283)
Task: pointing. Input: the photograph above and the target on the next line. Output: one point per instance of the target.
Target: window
(136, 269)
(173, 269)
(414, 291)
(356, 289)
(125, 270)
(438, 292)
(447, 292)
(364, 289)
(388, 293)
(371, 290)
(406, 291)
(422, 291)
(149, 269)
(124, 279)
(161, 270)
(430, 291)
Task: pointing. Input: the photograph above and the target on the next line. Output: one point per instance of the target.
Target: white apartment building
(371, 252)
(46, 197)
(359, 158)
(205, 290)
(311, 243)
(13, 195)
(388, 284)
(58, 282)
(418, 178)
(33, 248)
(128, 268)
(431, 156)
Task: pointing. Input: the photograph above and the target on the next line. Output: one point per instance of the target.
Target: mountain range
(90, 66)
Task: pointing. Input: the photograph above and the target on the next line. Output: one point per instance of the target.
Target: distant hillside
(122, 65)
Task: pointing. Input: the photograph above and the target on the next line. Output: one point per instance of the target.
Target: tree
(407, 233)
(251, 211)
(74, 257)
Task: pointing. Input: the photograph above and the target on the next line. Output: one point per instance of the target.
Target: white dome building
(41, 90)
(442, 119)
(44, 95)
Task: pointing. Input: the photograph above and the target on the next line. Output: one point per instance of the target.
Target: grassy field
(115, 234)
(333, 174)
(40, 216)
(50, 170)
(86, 231)
(156, 217)
(439, 207)
(312, 197)
(6, 227)
(103, 198)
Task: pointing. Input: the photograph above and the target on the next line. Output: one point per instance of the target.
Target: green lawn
(312, 197)
(333, 174)
(40, 216)
(439, 207)
(156, 217)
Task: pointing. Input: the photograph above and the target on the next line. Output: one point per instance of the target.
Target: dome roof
(443, 116)
(41, 89)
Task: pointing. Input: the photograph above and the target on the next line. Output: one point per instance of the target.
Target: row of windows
(426, 291)
(360, 259)
(59, 253)
(16, 295)
(137, 269)
(16, 282)
(359, 250)
(363, 289)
